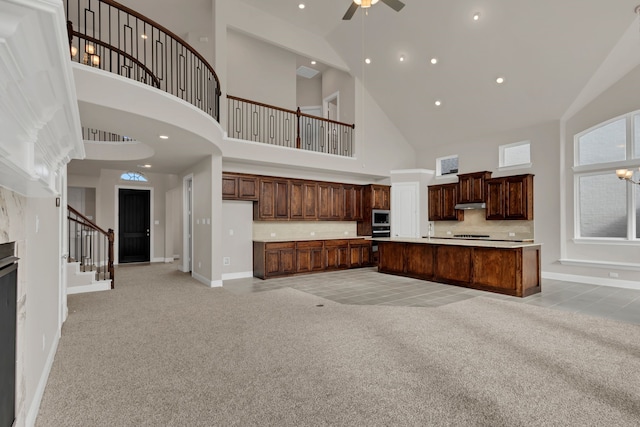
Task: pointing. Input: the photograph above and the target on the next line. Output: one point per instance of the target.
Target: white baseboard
(241, 275)
(176, 256)
(102, 285)
(166, 260)
(32, 414)
(157, 259)
(209, 283)
(602, 281)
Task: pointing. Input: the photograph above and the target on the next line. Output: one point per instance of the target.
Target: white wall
(237, 238)
(260, 71)
(339, 81)
(309, 91)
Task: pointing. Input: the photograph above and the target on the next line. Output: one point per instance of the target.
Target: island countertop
(310, 238)
(459, 242)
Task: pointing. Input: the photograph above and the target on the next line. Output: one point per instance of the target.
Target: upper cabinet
(442, 201)
(303, 200)
(239, 187)
(471, 187)
(352, 202)
(381, 197)
(510, 197)
(273, 203)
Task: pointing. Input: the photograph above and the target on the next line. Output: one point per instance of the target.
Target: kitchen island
(511, 268)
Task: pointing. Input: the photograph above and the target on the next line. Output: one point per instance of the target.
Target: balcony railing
(112, 37)
(254, 121)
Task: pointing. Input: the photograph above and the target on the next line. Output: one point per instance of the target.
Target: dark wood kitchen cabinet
(442, 201)
(352, 202)
(510, 198)
(239, 187)
(309, 256)
(471, 187)
(273, 259)
(336, 254)
(274, 200)
(359, 253)
(453, 264)
(330, 201)
(303, 200)
(380, 197)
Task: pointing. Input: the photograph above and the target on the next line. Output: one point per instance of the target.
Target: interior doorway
(134, 225)
(331, 107)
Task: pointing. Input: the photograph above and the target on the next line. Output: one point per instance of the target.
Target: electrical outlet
(313, 233)
(346, 233)
(226, 260)
(199, 264)
(230, 232)
(613, 274)
(43, 342)
(448, 233)
(273, 234)
(512, 234)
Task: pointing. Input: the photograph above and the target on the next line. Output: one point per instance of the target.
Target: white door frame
(116, 225)
(325, 105)
(187, 219)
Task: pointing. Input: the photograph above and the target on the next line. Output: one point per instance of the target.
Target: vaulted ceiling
(548, 52)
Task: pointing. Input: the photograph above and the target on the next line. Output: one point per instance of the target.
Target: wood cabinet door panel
(287, 261)
(247, 188)
(229, 187)
(324, 201)
(453, 263)
(266, 205)
(310, 201)
(434, 195)
(449, 201)
(518, 193)
(272, 262)
(392, 257)
(497, 268)
(495, 200)
(281, 203)
(419, 260)
(337, 202)
(296, 200)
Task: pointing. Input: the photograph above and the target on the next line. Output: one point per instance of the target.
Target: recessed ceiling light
(434, 61)
(402, 58)
(476, 16)
(145, 166)
(438, 103)
(313, 62)
(144, 36)
(164, 137)
(301, 6)
(500, 80)
(367, 60)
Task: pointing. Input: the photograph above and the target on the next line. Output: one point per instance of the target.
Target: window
(447, 165)
(516, 154)
(133, 176)
(606, 207)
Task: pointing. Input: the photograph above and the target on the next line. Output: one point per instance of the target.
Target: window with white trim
(515, 154)
(605, 206)
(133, 176)
(447, 165)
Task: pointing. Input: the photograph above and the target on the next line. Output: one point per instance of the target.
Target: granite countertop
(307, 239)
(460, 242)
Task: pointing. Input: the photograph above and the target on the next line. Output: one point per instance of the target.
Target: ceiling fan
(393, 4)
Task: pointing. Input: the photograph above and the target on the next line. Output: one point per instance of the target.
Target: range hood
(467, 206)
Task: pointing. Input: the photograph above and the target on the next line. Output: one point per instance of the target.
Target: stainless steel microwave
(380, 217)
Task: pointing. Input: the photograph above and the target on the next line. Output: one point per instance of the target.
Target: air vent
(307, 72)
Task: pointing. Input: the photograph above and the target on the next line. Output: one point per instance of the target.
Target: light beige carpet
(162, 349)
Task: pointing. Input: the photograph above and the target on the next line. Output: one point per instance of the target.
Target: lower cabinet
(277, 259)
(309, 256)
(511, 271)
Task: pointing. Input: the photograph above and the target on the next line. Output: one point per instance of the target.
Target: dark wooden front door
(134, 226)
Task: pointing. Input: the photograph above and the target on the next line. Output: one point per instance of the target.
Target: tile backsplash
(264, 230)
(476, 223)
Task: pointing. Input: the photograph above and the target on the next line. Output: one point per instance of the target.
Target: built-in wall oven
(380, 218)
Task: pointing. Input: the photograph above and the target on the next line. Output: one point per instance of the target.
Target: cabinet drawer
(280, 245)
(312, 244)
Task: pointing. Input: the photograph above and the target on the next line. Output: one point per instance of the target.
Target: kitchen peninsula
(506, 267)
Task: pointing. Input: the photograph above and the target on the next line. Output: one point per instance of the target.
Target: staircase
(90, 266)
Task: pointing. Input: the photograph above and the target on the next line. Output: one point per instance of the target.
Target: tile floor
(365, 286)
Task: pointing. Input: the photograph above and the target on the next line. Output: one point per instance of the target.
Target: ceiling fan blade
(350, 12)
(394, 4)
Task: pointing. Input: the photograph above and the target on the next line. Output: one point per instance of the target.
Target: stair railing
(90, 245)
(255, 121)
(108, 35)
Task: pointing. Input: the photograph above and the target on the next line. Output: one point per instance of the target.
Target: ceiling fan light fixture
(365, 3)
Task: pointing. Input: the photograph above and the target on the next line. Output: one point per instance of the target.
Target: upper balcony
(112, 37)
